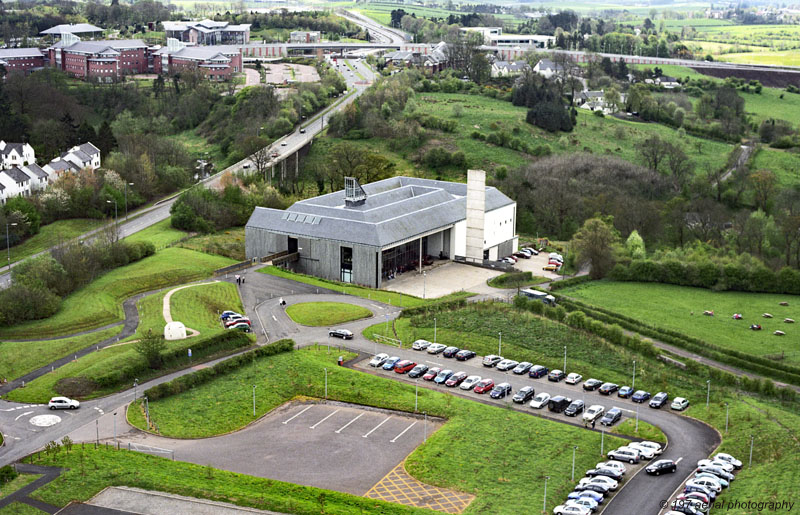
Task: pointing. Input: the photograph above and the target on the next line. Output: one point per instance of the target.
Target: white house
(39, 177)
(508, 68)
(85, 155)
(668, 82)
(58, 166)
(16, 183)
(547, 68)
(15, 154)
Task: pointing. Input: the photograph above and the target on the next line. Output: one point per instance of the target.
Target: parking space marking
(399, 487)
(297, 415)
(23, 415)
(274, 318)
(376, 427)
(404, 432)
(324, 419)
(678, 460)
(345, 426)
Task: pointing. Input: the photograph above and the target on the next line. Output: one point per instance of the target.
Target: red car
(230, 322)
(456, 379)
(432, 372)
(484, 386)
(403, 366)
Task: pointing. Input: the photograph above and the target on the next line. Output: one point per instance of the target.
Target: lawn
(320, 314)
(17, 483)
(228, 243)
(18, 508)
(160, 234)
(671, 307)
(100, 302)
(785, 164)
(52, 234)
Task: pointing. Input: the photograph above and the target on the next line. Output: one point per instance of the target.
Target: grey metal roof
(96, 47)
(9, 53)
(89, 148)
(59, 165)
(201, 53)
(12, 146)
(37, 170)
(72, 28)
(81, 155)
(17, 174)
(396, 209)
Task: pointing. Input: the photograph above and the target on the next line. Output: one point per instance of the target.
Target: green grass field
(671, 307)
(786, 165)
(779, 58)
(321, 314)
(160, 234)
(18, 508)
(228, 243)
(100, 302)
(17, 483)
(52, 234)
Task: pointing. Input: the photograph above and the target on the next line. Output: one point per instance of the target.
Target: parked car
(470, 382)
(653, 446)
(418, 371)
(574, 378)
(231, 321)
(624, 392)
(591, 385)
(679, 404)
(594, 487)
(691, 486)
(540, 401)
(659, 400)
(403, 366)
(661, 467)
(522, 367)
(500, 391)
(344, 334)
(390, 363)
(628, 455)
(227, 314)
(723, 482)
(644, 453)
(608, 388)
(606, 474)
(727, 467)
(640, 396)
(556, 375)
(464, 355)
(550, 268)
(242, 326)
(378, 360)
(727, 458)
(611, 417)
(523, 395)
(616, 465)
(712, 484)
(442, 376)
(537, 371)
(558, 403)
(484, 385)
(571, 509)
(717, 471)
(594, 412)
(520, 254)
(63, 403)
(436, 348)
(491, 360)
(420, 344)
(575, 408)
(583, 501)
(507, 364)
(450, 352)
(431, 373)
(595, 496)
(455, 379)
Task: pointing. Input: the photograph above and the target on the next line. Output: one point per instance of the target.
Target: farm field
(785, 164)
(698, 23)
(671, 307)
(778, 58)
(325, 313)
(50, 235)
(776, 37)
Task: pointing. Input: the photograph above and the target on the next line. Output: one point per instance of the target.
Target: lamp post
(565, 359)
(115, 209)
(544, 500)
(135, 384)
(8, 244)
(254, 400)
(708, 391)
(326, 383)
(573, 462)
(500, 343)
(750, 464)
(115, 431)
(633, 381)
(416, 394)
(424, 281)
(434, 329)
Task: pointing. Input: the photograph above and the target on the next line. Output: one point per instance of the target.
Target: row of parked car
(236, 321)
(710, 478)
(524, 253)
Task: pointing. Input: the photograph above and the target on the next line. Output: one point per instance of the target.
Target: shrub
(7, 474)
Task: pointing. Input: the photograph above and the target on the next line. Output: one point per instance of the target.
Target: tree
(764, 183)
(654, 151)
(679, 165)
(595, 245)
(635, 245)
(150, 347)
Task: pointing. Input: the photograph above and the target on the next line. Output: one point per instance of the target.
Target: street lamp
(8, 244)
(115, 208)
(254, 400)
(544, 501)
(726, 417)
(565, 359)
(126, 199)
(573, 462)
(135, 384)
(434, 329)
(423, 284)
(499, 343)
(416, 394)
(633, 382)
(708, 391)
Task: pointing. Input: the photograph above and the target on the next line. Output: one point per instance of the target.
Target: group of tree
(324, 21)
(545, 101)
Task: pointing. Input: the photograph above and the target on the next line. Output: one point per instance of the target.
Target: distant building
(15, 183)
(508, 68)
(15, 154)
(79, 157)
(78, 29)
(21, 59)
(432, 58)
(208, 32)
(526, 40)
(300, 36)
(103, 60)
(547, 68)
(667, 82)
(484, 31)
(218, 62)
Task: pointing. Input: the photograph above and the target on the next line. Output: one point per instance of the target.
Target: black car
(608, 388)
(558, 403)
(500, 391)
(556, 376)
(522, 368)
(464, 355)
(591, 385)
(605, 471)
(600, 488)
(624, 392)
(524, 394)
(450, 352)
(344, 334)
(611, 417)
(418, 371)
(574, 409)
(659, 400)
(661, 467)
(537, 371)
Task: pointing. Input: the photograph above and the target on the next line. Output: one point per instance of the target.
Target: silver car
(420, 345)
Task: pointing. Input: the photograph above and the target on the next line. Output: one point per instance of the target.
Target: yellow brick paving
(399, 487)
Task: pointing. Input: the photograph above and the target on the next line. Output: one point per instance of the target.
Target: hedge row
(572, 281)
(707, 274)
(172, 358)
(434, 307)
(188, 381)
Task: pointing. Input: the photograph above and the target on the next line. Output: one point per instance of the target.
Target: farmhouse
(547, 68)
(208, 32)
(366, 234)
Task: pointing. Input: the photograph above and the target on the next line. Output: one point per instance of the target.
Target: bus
(538, 295)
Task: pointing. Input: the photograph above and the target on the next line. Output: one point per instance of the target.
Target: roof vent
(354, 194)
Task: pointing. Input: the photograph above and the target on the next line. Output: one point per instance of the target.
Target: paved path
(21, 495)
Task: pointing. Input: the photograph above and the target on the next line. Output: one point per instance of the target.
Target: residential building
(547, 68)
(15, 154)
(367, 234)
(432, 58)
(104, 60)
(667, 82)
(57, 167)
(16, 183)
(218, 62)
(39, 177)
(83, 156)
(305, 36)
(508, 68)
(78, 29)
(21, 59)
(207, 32)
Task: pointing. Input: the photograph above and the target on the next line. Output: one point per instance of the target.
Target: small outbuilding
(175, 331)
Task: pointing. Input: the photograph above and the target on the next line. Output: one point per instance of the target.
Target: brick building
(21, 59)
(207, 32)
(217, 62)
(103, 60)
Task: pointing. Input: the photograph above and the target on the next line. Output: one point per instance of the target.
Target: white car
(709, 483)
(644, 452)
(727, 467)
(727, 458)
(679, 404)
(507, 364)
(571, 509)
(624, 454)
(470, 382)
(594, 412)
(378, 360)
(574, 378)
(586, 502)
(540, 401)
(420, 345)
(653, 446)
(604, 480)
(611, 464)
(436, 348)
(63, 403)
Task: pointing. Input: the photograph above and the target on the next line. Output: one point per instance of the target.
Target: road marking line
(345, 426)
(404, 432)
(678, 460)
(297, 415)
(275, 319)
(24, 414)
(376, 427)
(324, 419)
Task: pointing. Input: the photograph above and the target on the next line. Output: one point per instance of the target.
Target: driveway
(251, 77)
(442, 280)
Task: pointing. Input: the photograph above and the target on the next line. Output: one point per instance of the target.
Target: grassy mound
(325, 313)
